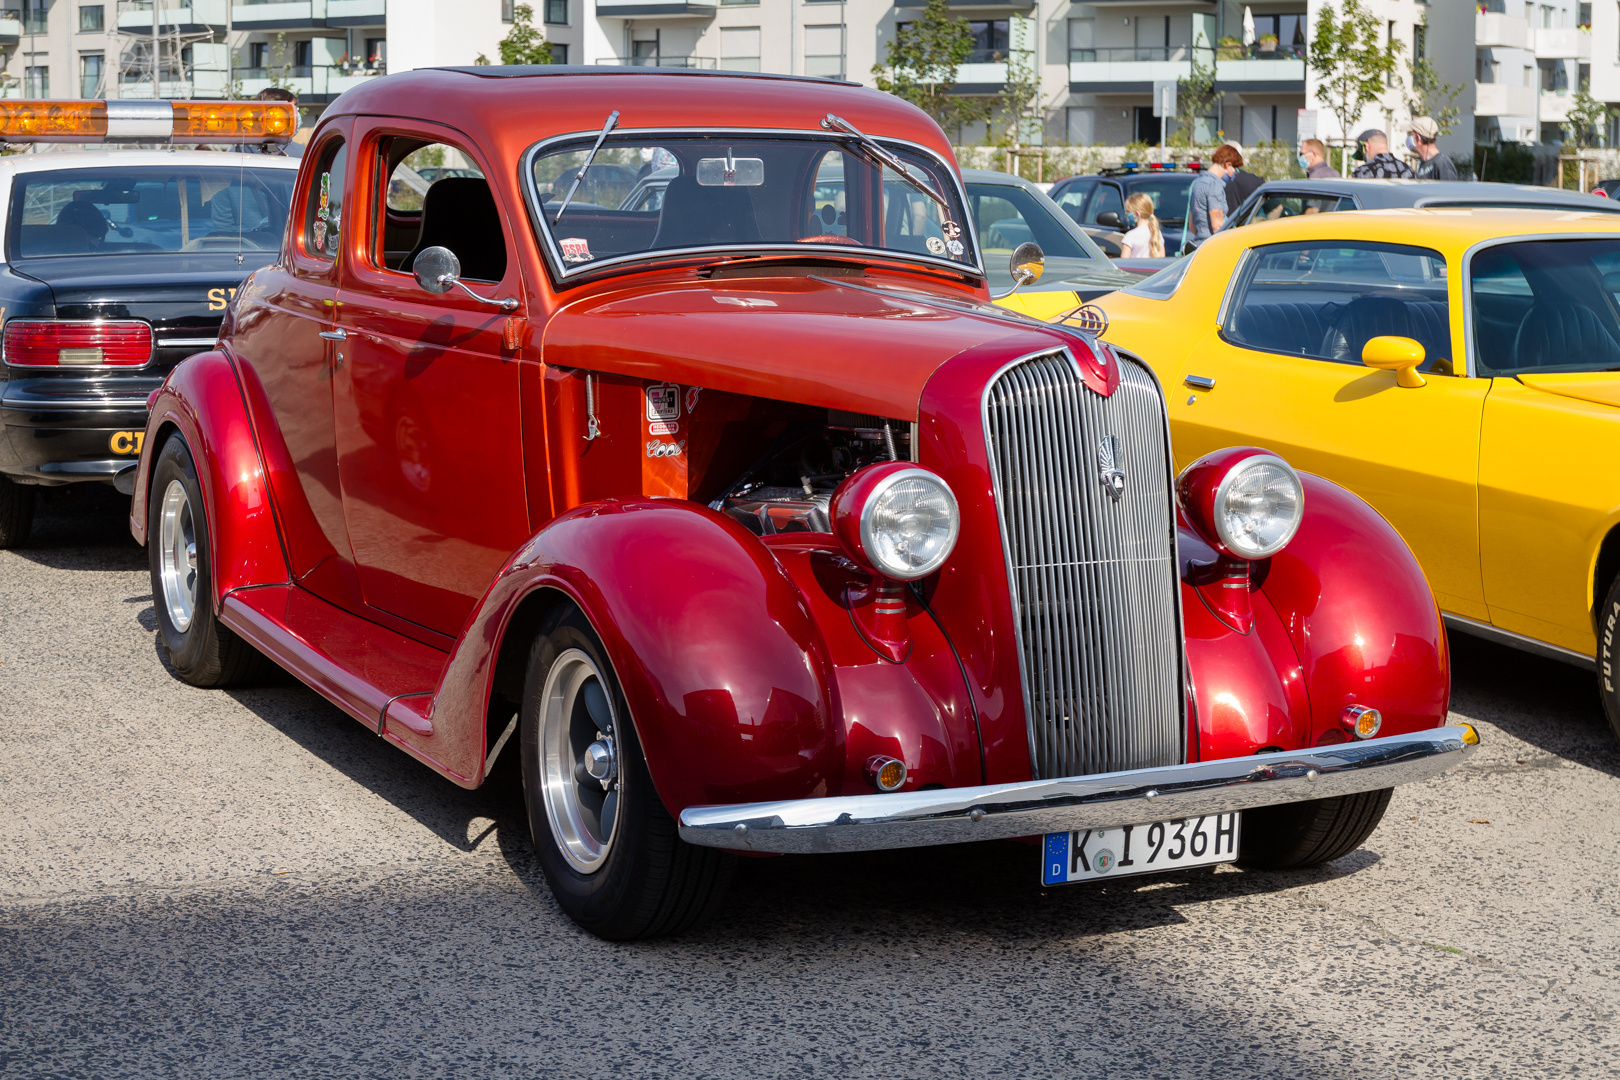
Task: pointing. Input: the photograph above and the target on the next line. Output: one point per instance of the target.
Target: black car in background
(117, 265)
(1097, 203)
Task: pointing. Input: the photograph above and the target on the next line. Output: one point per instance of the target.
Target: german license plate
(1140, 849)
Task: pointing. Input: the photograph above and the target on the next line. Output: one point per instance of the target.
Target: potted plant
(1230, 48)
(1268, 43)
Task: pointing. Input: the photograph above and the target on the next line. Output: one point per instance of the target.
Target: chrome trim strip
(562, 271)
(1001, 811)
(186, 342)
(1486, 631)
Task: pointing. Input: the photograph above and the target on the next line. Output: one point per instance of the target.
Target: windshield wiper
(881, 157)
(612, 122)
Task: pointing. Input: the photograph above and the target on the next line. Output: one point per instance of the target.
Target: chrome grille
(1093, 578)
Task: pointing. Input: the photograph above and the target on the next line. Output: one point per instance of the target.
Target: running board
(375, 675)
(1518, 641)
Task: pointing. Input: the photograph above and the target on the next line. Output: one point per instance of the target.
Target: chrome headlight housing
(1258, 506)
(897, 518)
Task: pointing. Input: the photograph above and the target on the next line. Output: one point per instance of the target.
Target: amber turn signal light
(885, 773)
(1363, 722)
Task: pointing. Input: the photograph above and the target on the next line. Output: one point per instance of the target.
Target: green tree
(1586, 120)
(1352, 66)
(922, 63)
(1021, 110)
(523, 44)
(1431, 96)
(1196, 98)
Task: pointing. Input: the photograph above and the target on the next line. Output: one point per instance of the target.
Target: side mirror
(1028, 262)
(436, 269)
(1401, 355)
(1110, 219)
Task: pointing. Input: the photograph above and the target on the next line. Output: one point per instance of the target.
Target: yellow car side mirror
(1401, 355)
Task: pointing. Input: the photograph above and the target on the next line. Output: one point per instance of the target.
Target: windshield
(644, 194)
(121, 211)
(1169, 195)
(1546, 306)
(1006, 215)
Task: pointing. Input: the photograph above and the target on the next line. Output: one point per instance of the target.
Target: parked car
(1294, 198)
(1484, 431)
(118, 264)
(1097, 203)
(1607, 189)
(747, 531)
(1008, 211)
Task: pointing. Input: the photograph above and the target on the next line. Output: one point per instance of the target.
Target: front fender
(725, 671)
(202, 400)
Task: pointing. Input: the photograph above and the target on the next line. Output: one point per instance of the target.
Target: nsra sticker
(576, 250)
(936, 246)
(663, 402)
(955, 248)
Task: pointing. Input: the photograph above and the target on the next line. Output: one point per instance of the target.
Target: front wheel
(1608, 658)
(203, 650)
(609, 849)
(16, 512)
(1301, 834)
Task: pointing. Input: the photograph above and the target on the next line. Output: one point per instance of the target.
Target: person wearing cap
(1239, 184)
(1433, 164)
(1313, 159)
(291, 149)
(1377, 163)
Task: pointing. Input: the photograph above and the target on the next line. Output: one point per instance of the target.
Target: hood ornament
(1108, 470)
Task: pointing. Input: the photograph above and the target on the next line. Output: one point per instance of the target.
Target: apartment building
(1530, 58)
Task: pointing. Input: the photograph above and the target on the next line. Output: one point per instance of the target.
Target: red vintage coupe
(732, 505)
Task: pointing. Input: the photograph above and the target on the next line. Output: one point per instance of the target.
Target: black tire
(16, 512)
(1608, 656)
(1297, 835)
(647, 882)
(206, 652)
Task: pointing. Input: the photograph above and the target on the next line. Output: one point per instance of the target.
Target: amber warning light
(148, 121)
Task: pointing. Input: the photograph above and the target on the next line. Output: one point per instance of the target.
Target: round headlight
(1258, 505)
(900, 520)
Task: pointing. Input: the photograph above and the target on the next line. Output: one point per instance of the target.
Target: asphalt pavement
(242, 884)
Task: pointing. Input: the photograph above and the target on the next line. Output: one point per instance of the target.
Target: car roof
(991, 176)
(101, 158)
(1450, 230)
(1388, 194)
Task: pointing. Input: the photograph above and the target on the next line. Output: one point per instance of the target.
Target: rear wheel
(609, 849)
(204, 651)
(1301, 834)
(1608, 656)
(16, 512)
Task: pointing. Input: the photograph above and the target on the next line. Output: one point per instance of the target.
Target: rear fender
(202, 401)
(724, 669)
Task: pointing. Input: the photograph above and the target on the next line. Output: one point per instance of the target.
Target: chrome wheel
(177, 554)
(579, 760)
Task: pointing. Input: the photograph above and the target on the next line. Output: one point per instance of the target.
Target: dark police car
(117, 265)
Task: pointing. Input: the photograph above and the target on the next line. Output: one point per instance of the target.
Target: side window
(434, 194)
(1073, 198)
(1107, 197)
(1282, 204)
(1326, 301)
(323, 206)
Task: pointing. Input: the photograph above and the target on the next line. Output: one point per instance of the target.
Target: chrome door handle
(1199, 382)
(335, 335)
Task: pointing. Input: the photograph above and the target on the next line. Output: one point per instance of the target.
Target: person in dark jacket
(1432, 164)
(1372, 149)
(1239, 184)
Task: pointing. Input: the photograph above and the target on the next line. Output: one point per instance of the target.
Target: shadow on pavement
(1551, 705)
(82, 527)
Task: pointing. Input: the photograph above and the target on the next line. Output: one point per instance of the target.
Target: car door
(1545, 321)
(1283, 371)
(1072, 197)
(282, 346)
(428, 432)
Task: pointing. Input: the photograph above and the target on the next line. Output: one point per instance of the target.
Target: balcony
(706, 63)
(277, 15)
(654, 9)
(1501, 99)
(355, 12)
(323, 80)
(136, 17)
(982, 76)
(1126, 69)
(1554, 107)
(1563, 44)
(1494, 30)
(11, 27)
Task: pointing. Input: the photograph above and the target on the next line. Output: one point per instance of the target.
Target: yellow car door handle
(1199, 382)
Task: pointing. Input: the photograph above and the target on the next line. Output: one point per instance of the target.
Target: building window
(824, 51)
(1082, 41)
(37, 81)
(1583, 17)
(739, 48)
(1549, 76)
(1420, 42)
(557, 12)
(35, 16)
(90, 75)
(377, 53)
(92, 17)
(303, 56)
(559, 53)
(1081, 122)
(989, 42)
(740, 3)
(1546, 17)
(507, 14)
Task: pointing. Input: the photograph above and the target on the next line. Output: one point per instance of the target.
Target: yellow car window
(1546, 306)
(1326, 301)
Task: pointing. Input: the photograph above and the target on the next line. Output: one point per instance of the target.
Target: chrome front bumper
(998, 811)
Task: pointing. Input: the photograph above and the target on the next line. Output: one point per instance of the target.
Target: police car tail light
(61, 343)
(147, 121)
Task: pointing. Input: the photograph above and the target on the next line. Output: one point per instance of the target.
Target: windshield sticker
(955, 248)
(692, 398)
(576, 250)
(936, 246)
(951, 229)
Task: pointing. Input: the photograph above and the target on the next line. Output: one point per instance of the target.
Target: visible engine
(790, 487)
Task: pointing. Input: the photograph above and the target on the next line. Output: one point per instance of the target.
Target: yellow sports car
(1458, 369)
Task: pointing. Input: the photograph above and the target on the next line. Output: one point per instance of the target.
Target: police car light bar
(147, 121)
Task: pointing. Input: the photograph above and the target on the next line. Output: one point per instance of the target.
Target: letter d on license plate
(1139, 849)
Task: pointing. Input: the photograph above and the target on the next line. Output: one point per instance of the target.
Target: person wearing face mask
(1313, 159)
(1239, 183)
(1144, 240)
(1432, 164)
(1372, 149)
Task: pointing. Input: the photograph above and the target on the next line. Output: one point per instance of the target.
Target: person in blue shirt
(1206, 199)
